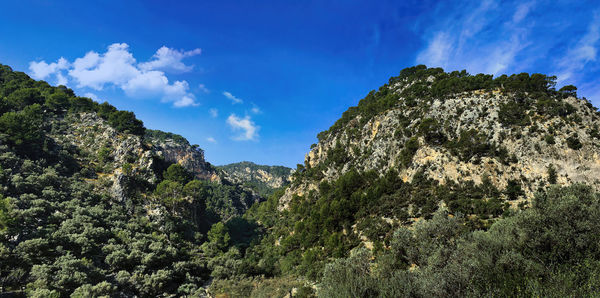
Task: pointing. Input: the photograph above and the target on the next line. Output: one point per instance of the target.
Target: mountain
(436, 184)
(456, 129)
(94, 204)
(264, 179)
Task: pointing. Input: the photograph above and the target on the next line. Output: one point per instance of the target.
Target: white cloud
(203, 88)
(245, 125)
(584, 51)
(234, 99)
(211, 140)
(185, 101)
(438, 50)
(214, 113)
(168, 59)
(476, 37)
(42, 70)
(522, 11)
(117, 67)
(92, 96)
(255, 109)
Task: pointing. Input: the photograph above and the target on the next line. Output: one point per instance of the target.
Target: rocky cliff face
(175, 149)
(264, 179)
(112, 157)
(104, 151)
(505, 136)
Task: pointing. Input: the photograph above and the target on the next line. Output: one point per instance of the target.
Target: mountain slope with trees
(263, 179)
(93, 204)
(438, 184)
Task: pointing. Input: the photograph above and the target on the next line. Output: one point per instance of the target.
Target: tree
(219, 236)
(57, 102)
(573, 142)
(5, 208)
(125, 121)
(178, 173)
(552, 176)
(513, 190)
(569, 90)
(170, 193)
(24, 130)
(21, 98)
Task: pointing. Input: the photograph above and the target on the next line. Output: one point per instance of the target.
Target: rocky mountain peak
(516, 132)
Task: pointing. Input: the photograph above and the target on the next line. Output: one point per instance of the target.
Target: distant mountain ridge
(264, 179)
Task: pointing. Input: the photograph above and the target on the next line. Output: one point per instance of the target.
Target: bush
(125, 121)
(573, 142)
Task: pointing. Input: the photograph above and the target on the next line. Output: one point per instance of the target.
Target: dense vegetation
(420, 84)
(61, 236)
(254, 178)
(364, 234)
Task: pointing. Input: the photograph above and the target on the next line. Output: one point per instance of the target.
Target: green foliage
(178, 173)
(549, 139)
(219, 236)
(57, 102)
(550, 249)
(162, 136)
(513, 190)
(513, 113)
(5, 210)
(254, 179)
(125, 121)
(23, 130)
(552, 175)
(569, 90)
(574, 143)
(432, 132)
(408, 152)
(471, 144)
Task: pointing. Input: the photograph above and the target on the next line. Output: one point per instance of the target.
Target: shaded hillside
(263, 179)
(92, 204)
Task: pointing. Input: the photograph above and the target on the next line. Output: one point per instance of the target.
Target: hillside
(264, 179)
(457, 129)
(438, 184)
(433, 163)
(93, 204)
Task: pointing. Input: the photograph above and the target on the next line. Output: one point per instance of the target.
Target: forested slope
(91, 205)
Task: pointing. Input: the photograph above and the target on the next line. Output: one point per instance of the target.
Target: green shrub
(573, 142)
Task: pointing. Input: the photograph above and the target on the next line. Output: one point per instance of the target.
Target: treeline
(421, 84)
(24, 103)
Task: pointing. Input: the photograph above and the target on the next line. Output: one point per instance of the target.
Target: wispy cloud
(476, 36)
(92, 96)
(255, 109)
(211, 140)
(248, 129)
(584, 51)
(234, 99)
(117, 67)
(203, 88)
(214, 112)
(168, 59)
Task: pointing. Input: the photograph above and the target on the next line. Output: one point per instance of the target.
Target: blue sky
(257, 80)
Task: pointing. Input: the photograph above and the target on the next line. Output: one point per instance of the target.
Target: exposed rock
(378, 143)
(263, 179)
